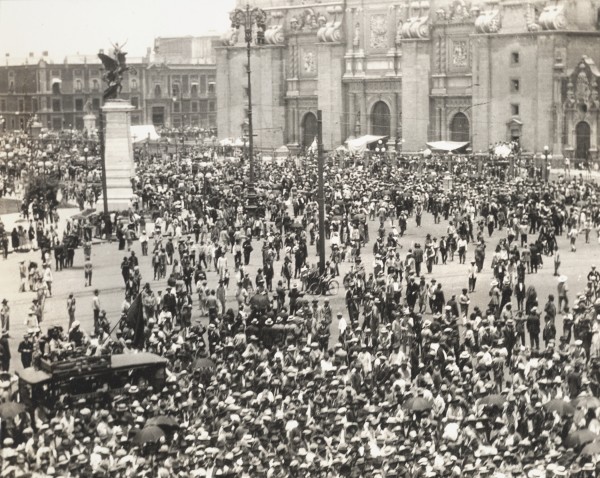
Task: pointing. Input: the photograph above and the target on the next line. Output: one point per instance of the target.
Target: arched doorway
(380, 119)
(459, 128)
(309, 129)
(582, 140)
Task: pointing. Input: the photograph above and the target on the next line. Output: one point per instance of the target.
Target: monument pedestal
(118, 154)
(89, 123)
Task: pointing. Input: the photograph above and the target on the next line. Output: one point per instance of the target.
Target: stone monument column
(118, 154)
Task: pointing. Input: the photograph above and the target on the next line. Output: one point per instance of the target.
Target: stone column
(297, 138)
(364, 117)
(349, 30)
(118, 154)
(391, 145)
(351, 116)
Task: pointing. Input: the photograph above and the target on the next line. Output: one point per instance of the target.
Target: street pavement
(106, 259)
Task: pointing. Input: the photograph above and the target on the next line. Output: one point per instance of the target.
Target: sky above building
(67, 27)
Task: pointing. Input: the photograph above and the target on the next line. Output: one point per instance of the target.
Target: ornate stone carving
(583, 87)
(356, 38)
(230, 37)
(378, 32)
(333, 27)
(322, 22)
(417, 24)
(274, 32)
(460, 53)
(553, 18)
(489, 21)
(459, 11)
(309, 64)
(594, 98)
(531, 20)
(398, 39)
(305, 21)
(570, 102)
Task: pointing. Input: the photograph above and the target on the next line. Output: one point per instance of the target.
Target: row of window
(176, 90)
(56, 105)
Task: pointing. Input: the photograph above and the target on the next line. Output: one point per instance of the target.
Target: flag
(135, 321)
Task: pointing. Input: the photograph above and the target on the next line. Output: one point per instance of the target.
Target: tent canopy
(447, 146)
(359, 145)
(282, 149)
(142, 132)
(503, 151)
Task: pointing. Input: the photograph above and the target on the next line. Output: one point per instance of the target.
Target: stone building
(174, 85)
(418, 71)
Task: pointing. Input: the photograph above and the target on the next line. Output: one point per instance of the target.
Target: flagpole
(121, 320)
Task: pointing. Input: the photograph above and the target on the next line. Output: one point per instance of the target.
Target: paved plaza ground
(107, 278)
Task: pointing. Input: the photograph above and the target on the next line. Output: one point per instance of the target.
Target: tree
(43, 189)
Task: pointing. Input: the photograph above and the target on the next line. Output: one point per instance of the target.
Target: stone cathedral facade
(418, 71)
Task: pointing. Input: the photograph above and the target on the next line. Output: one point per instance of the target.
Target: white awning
(143, 132)
(359, 145)
(503, 151)
(447, 146)
(56, 80)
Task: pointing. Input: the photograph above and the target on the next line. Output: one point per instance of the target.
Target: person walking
(47, 278)
(71, 309)
(26, 350)
(4, 317)
(472, 276)
(572, 235)
(23, 276)
(96, 307)
(144, 243)
(533, 327)
(4, 352)
(87, 271)
(563, 298)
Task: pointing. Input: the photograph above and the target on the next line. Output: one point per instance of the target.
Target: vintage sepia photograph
(299, 238)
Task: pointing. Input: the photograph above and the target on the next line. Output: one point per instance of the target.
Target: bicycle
(323, 286)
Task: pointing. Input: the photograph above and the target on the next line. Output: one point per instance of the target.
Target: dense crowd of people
(407, 379)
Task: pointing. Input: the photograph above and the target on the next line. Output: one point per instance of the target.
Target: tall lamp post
(85, 178)
(547, 157)
(246, 18)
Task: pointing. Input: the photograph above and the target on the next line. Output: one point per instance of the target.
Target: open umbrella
(560, 406)
(11, 409)
(203, 364)
(162, 421)
(496, 400)
(260, 301)
(418, 404)
(580, 437)
(587, 401)
(591, 449)
(149, 434)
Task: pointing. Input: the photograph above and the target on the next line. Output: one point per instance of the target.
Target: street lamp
(246, 18)
(547, 157)
(85, 179)
(7, 148)
(380, 150)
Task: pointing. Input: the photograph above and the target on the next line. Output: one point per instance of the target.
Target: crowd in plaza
(409, 379)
